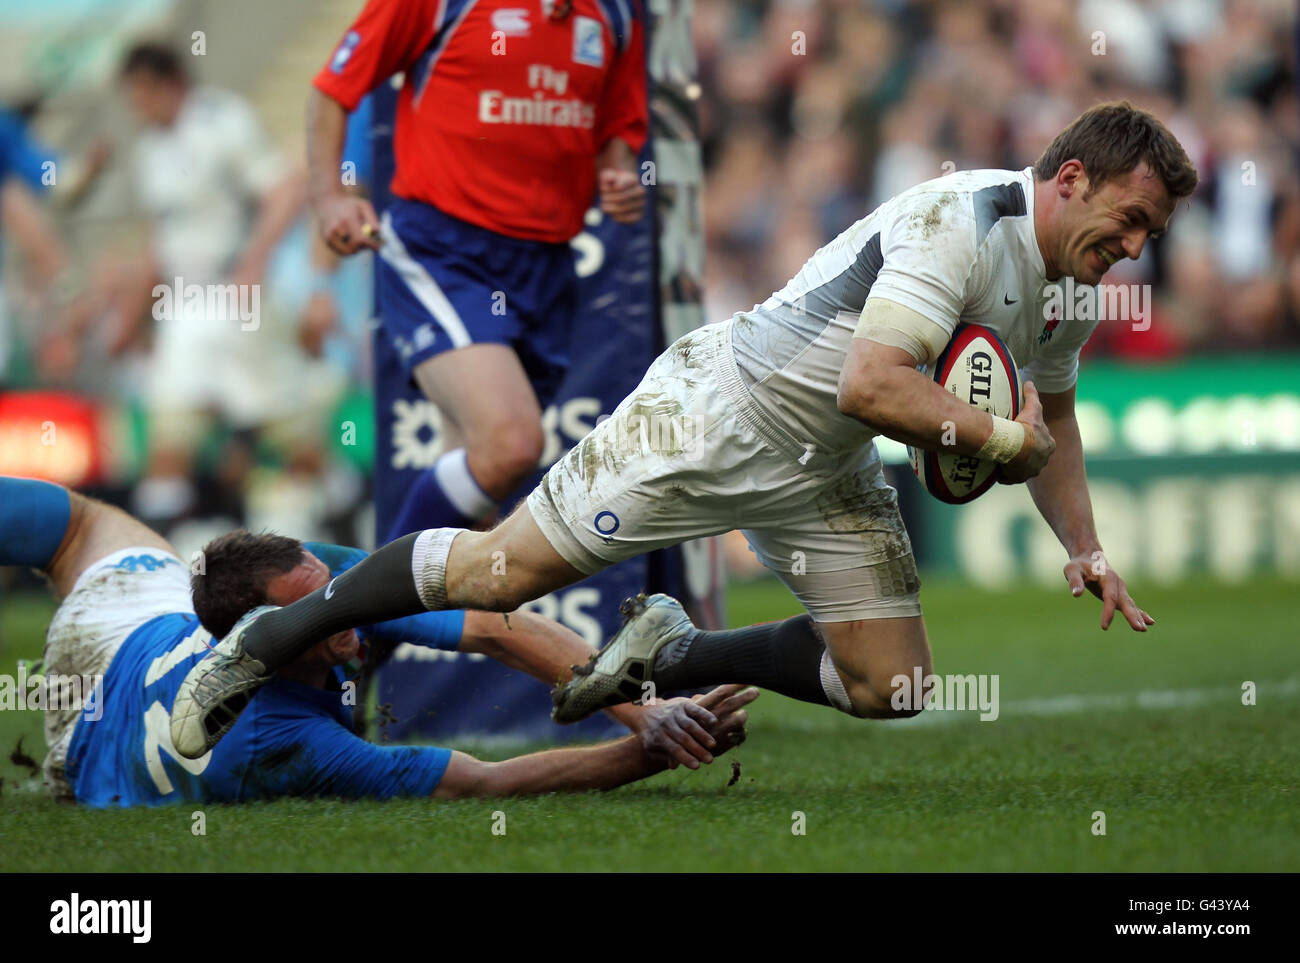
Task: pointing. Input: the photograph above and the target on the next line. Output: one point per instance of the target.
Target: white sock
(429, 565)
(833, 685)
(459, 485)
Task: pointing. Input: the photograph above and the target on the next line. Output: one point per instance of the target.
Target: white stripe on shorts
(421, 284)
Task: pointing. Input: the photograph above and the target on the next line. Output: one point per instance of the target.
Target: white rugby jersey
(957, 248)
(200, 180)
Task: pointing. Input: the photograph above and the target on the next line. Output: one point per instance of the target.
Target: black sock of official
(785, 657)
(378, 588)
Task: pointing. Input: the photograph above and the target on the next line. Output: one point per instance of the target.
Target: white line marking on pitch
(1143, 699)
(1061, 705)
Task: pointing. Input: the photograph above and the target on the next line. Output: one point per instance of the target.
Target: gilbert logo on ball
(978, 368)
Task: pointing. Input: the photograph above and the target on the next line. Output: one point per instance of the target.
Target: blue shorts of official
(442, 284)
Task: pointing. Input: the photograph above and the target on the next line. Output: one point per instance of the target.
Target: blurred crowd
(815, 111)
(209, 314)
(812, 112)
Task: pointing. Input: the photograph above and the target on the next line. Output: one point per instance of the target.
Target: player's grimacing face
(299, 582)
(1112, 223)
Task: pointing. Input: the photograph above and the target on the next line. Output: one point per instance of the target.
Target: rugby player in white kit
(775, 411)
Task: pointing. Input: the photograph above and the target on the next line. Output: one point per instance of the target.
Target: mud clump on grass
(20, 758)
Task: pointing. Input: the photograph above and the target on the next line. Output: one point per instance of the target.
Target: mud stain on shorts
(672, 498)
(853, 506)
(594, 457)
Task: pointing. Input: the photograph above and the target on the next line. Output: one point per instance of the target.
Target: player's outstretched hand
(621, 195)
(347, 223)
(692, 732)
(1039, 443)
(727, 703)
(1093, 572)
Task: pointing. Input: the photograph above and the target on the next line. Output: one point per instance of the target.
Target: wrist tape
(1007, 441)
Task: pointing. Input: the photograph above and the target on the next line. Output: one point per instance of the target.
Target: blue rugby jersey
(292, 740)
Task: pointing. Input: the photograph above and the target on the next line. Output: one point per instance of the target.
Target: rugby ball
(978, 368)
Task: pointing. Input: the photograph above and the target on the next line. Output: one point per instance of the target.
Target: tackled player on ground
(126, 633)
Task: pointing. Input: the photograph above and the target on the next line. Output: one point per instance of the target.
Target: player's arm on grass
(1061, 493)
(881, 387)
(544, 649)
(547, 651)
(603, 766)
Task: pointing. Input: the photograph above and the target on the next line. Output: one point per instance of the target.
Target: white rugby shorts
(690, 453)
(250, 377)
(111, 599)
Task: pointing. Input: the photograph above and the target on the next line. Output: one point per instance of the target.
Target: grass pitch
(1149, 730)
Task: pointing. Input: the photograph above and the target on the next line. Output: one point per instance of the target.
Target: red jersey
(503, 107)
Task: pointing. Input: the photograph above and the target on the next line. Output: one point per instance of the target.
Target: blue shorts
(443, 284)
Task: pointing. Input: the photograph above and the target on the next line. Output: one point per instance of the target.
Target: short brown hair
(232, 577)
(1112, 139)
(159, 60)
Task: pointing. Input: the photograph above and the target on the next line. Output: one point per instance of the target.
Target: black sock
(378, 588)
(784, 657)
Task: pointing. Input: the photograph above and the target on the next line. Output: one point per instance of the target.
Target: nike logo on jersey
(329, 589)
(1006, 299)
